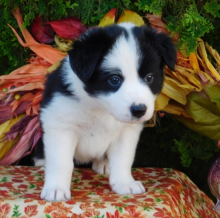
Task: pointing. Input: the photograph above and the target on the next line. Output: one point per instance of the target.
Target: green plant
(188, 18)
(177, 145)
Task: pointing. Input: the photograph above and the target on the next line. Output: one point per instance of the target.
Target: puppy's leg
(59, 151)
(101, 166)
(121, 155)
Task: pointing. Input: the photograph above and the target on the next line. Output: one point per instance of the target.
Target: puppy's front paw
(134, 187)
(55, 194)
(101, 166)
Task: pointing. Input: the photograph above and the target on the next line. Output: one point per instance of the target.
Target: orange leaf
(109, 18)
(194, 62)
(48, 53)
(156, 22)
(28, 87)
(130, 16)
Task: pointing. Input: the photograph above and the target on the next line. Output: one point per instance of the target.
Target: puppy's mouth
(130, 119)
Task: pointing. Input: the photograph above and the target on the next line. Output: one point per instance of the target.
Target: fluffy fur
(95, 104)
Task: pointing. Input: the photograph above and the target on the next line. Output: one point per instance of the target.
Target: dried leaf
(18, 128)
(63, 44)
(161, 101)
(6, 145)
(27, 97)
(24, 144)
(6, 114)
(172, 90)
(48, 53)
(109, 18)
(43, 33)
(203, 54)
(194, 62)
(68, 28)
(213, 52)
(156, 22)
(130, 16)
(28, 87)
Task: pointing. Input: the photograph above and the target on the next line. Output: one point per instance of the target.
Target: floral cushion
(169, 193)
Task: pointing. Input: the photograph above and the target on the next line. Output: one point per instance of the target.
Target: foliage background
(188, 18)
(169, 144)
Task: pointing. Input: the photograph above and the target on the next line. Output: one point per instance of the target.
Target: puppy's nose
(138, 110)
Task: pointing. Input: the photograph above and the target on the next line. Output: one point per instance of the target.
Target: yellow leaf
(63, 44)
(213, 52)
(3, 127)
(108, 19)
(203, 54)
(176, 109)
(192, 78)
(175, 92)
(53, 67)
(194, 62)
(5, 146)
(130, 16)
(161, 101)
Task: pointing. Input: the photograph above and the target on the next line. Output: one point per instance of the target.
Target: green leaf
(47, 216)
(158, 199)
(16, 212)
(204, 108)
(213, 7)
(32, 186)
(120, 209)
(4, 179)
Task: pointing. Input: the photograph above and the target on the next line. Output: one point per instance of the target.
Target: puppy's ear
(166, 48)
(87, 52)
(160, 41)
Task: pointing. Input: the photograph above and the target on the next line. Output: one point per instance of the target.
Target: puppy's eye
(115, 80)
(149, 78)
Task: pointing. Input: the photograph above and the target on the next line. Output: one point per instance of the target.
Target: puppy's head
(121, 66)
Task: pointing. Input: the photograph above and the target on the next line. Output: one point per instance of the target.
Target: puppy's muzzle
(138, 110)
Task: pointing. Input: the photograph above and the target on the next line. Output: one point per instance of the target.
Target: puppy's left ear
(166, 48)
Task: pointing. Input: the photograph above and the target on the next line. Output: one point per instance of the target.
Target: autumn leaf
(68, 28)
(43, 33)
(109, 18)
(5, 209)
(131, 16)
(156, 22)
(31, 210)
(48, 53)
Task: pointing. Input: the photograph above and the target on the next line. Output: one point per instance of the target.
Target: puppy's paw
(101, 166)
(134, 187)
(56, 194)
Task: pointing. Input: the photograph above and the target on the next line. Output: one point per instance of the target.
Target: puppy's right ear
(87, 52)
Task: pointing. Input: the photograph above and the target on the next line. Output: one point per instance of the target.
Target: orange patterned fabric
(169, 193)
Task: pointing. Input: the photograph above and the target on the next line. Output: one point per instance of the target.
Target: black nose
(138, 110)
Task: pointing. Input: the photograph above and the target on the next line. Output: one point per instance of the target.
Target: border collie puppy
(96, 102)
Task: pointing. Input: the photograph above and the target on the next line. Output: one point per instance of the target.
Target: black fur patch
(157, 50)
(89, 50)
(55, 84)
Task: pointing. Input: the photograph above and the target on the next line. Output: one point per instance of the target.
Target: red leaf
(42, 32)
(31, 210)
(5, 209)
(68, 28)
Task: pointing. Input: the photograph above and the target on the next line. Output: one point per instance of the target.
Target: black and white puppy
(96, 102)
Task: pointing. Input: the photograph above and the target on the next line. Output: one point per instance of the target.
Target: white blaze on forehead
(124, 55)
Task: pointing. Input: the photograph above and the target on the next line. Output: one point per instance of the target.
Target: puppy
(96, 102)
